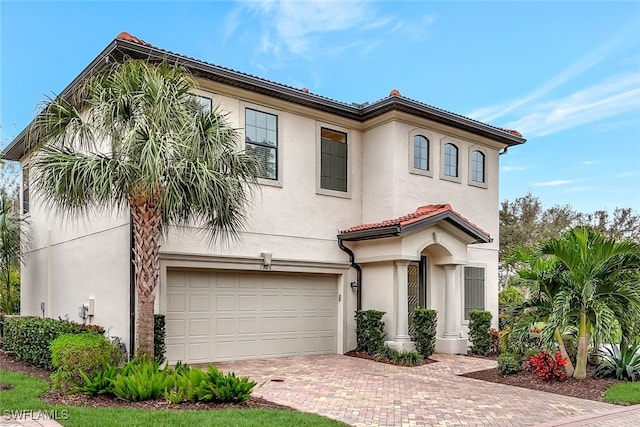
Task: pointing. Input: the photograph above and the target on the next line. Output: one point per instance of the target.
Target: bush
(159, 333)
(369, 330)
(479, 324)
(548, 367)
(219, 387)
(497, 343)
(30, 337)
(141, 379)
(75, 353)
(509, 363)
(621, 362)
(404, 358)
(425, 321)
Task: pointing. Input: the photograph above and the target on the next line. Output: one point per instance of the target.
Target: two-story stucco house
(385, 205)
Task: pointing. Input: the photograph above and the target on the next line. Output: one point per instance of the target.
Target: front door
(416, 284)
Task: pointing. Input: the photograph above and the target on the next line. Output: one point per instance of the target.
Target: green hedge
(509, 363)
(424, 335)
(29, 338)
(479, 324)
(369, 330)
(73, 353)
(159, 334)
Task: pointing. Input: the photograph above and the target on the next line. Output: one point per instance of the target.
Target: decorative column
(451, 303)
(402, 307)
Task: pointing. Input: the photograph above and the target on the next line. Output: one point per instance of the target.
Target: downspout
(504, 150)
(132, 293)
(352, 260)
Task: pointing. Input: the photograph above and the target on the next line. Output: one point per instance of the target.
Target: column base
(401, 345)
(451, 345)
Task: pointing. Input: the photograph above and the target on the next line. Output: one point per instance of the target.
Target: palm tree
(135, 141)
(541, 276)
(600, 286)
(12, 253)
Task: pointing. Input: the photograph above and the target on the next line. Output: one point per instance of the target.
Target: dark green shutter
(473, 290)
(333, 165)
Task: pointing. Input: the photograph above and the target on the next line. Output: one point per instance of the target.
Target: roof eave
(475, 233)
(370, 234)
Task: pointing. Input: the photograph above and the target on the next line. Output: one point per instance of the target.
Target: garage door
(216, 316)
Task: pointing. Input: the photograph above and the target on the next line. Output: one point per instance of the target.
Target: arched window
(477, 166)
(421, 152)
(450, 160)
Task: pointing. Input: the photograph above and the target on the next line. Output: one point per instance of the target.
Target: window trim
(483, 151)
(25, 172)
(279, 147)
(443, 143)
(319, 189)
(412, 169)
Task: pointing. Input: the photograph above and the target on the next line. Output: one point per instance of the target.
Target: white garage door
(216, 316)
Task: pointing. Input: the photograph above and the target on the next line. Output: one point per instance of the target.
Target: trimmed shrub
(424, 335)
(369, 330)
(159, 333)
(29, 338)
(479, 324)
(75, 353)
(509, 363)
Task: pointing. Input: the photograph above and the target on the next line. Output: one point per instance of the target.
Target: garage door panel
(243, 316)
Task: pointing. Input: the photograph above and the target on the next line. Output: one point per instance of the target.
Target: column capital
(450, 266)
(402, 262)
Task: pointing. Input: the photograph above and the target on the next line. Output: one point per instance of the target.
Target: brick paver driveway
(361, 392)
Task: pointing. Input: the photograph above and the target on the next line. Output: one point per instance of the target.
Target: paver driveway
(361, 392)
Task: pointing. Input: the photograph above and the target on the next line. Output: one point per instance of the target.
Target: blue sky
(565, 74)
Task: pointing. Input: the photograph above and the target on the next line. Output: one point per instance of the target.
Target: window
(261, 136)
(25, 189)
(477, 166)
(473, 290)
(420, 153)
(203, 103)
(333, 160)
(450, 160)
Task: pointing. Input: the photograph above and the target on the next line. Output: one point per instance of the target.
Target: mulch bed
(591, 388)
(59, 397)
(365, 355)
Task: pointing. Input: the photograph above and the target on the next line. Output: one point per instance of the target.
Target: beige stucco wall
(72, 259)
(75, 259)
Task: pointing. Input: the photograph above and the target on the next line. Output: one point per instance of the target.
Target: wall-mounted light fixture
(354, 286)
(266, 260)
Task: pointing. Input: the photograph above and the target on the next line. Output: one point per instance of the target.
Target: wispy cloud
(628, 174)
(590, 162)
(491, 113)
(554, 183)
(618, 95)
(300, 28)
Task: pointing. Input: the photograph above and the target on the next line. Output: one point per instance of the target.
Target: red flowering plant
(548, 367)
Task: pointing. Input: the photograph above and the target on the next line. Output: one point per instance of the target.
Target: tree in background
(141, 145)
(11, 255)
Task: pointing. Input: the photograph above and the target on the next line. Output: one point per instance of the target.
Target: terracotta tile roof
(393, 94)
(421, 214)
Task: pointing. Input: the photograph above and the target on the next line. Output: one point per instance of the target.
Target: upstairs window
(450, 160)
(420, 153)
(261, 137)
(477, 167)
(333, 160)
(201, 103)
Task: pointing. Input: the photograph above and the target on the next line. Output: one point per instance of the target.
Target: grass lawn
(623, 393)
(24, 396)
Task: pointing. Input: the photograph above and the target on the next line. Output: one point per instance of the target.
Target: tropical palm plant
(12, 254)
(132, 139)
(599, 287)
(540, 275)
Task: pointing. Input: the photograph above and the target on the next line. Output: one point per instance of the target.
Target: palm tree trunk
(583, 344)
(568, 368)
(146, 235)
